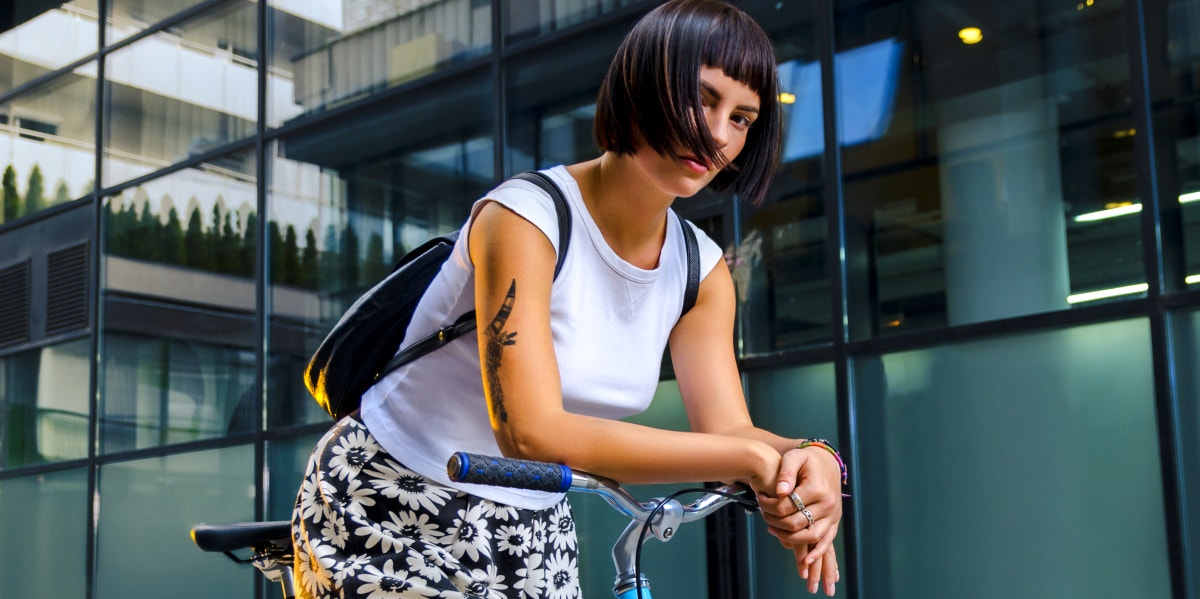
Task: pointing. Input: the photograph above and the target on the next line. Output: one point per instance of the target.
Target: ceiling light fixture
(970, 35)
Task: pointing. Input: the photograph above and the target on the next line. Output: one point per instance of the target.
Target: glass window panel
(44, 519)
(963, 444)
(798, 402)
(527, 19)
(1173, 31)
(143, 545)
(1185, 329)
(778, 261)
(348, 198)
(551, 98)
(48, 144)
(287, 459)
(44, 404)
(43, 37)
(981, 174)
(179, 332)
(129, 17)
(327, 53)
(181, 93)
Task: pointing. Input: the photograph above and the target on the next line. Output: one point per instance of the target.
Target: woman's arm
(514, 266)
(706, 368)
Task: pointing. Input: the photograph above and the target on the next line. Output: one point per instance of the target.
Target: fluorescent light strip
(1116, 291)
(1106, 293)
(1110, 213)
(1186, 198)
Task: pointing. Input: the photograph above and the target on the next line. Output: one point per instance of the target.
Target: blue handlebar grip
(508, 472)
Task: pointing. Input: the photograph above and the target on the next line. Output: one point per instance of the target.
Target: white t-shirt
(610, 322)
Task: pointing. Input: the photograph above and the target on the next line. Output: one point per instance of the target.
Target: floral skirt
(367, 527)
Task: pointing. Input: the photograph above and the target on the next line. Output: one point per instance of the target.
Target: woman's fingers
(832, 574)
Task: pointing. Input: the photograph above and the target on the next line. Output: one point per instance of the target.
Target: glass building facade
(977, 272)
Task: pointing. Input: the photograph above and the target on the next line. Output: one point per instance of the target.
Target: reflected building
(976, 272)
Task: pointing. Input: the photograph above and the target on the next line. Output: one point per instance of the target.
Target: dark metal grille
(67, 290)
(14, 304)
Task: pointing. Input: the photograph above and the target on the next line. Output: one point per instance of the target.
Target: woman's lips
(695, 164)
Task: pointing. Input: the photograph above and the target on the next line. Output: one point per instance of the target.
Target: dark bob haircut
(651, 93)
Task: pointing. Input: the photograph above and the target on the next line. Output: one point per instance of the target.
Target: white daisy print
(355, 498)
(349, 567)
(388, 539)
(496, 511)
(316, 579)
(353, 452)
(514, 539)
(539, 532)
(412, 525)
(334, 531)
(425, 567)
(390, 584)
(562, 527)
(562, 575)
(397, 482)
(532, 578)
(469, 535)
(311, 508)
(486, 584)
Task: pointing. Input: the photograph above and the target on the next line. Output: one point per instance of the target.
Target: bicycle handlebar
(558, 478)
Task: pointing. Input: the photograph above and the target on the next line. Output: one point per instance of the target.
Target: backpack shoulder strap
(560, 206)
(466, 323)
(693, 266)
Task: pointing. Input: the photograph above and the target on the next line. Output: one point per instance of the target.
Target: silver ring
(808, 514)
(796, 501)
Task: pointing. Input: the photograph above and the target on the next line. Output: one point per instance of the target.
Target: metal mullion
(840, 280)
(262, 306)
(95, 283)
(499, 100)
(1161, 244)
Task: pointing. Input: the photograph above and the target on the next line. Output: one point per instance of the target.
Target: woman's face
(730, 107)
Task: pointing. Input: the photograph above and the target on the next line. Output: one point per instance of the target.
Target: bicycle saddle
(230, 537)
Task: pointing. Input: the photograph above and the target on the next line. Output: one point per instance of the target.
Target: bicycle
(270, 543)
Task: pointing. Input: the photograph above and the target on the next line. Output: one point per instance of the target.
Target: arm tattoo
(497, 338)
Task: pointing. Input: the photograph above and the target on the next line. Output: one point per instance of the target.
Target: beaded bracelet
(827, 446)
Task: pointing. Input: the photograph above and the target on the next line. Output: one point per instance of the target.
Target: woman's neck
(628, 209)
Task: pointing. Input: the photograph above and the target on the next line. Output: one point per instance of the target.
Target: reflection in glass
(349, 198)
(552, 104)
(181, 93)
(41, 42)
(44, 519)
(287, 460)
(326, 53)
(778, 263)
(961, 445)
(179, 305)
(799, 403)
(1174, 37)
(44, 404)
(530, 18)
(1185, 335)
(129, 17)
(976, 169)
(142, 542)
(48, 144)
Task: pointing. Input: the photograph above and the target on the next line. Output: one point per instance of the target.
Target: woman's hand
(814, 477)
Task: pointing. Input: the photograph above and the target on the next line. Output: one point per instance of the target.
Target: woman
(689, 101)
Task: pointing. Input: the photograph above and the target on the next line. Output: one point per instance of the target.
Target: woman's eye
(741, 120)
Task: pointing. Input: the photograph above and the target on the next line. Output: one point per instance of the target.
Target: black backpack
(361, 348)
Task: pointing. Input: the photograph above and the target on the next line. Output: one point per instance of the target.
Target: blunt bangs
(651, 94)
